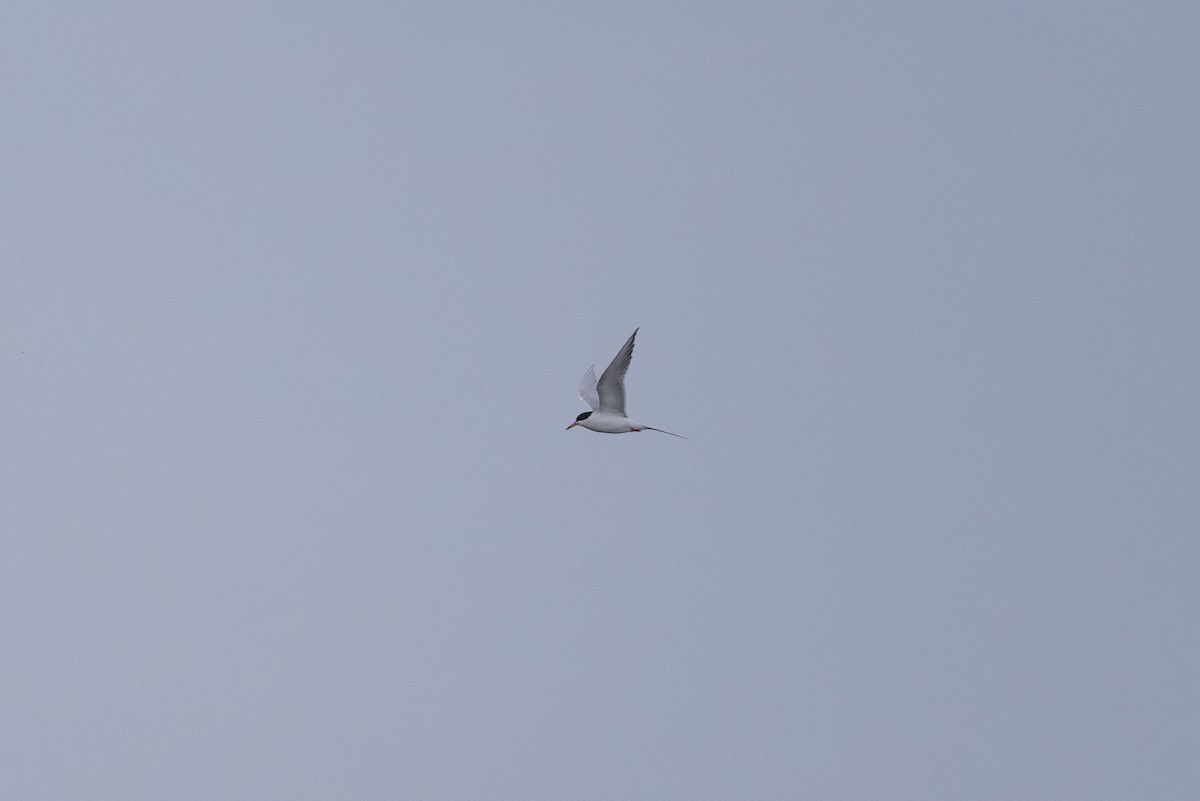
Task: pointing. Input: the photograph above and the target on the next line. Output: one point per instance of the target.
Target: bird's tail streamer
(659, 430)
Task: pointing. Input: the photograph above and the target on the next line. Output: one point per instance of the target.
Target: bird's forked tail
(659, 430)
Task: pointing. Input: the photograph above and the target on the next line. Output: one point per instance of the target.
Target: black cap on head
(583, 416)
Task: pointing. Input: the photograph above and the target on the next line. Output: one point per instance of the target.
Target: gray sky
(294, 303)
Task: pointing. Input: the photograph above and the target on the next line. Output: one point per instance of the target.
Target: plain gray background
(293, 306)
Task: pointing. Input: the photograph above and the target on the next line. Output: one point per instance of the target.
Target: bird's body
(608, 423)
(607, 397)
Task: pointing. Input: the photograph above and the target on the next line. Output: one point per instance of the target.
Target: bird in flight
(607, 397)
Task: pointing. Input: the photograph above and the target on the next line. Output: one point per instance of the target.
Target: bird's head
(579, 420)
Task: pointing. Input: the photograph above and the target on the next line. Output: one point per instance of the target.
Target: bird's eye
(583, 416)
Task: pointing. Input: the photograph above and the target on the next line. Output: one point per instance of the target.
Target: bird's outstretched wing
(587, 389)
(612, 383)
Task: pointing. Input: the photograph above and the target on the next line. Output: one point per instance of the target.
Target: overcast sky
(294, 302)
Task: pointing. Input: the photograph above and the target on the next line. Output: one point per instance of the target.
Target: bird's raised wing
(612, 383)
(587, 389)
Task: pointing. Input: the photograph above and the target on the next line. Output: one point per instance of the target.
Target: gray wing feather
(587, 389)
(612, 383)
